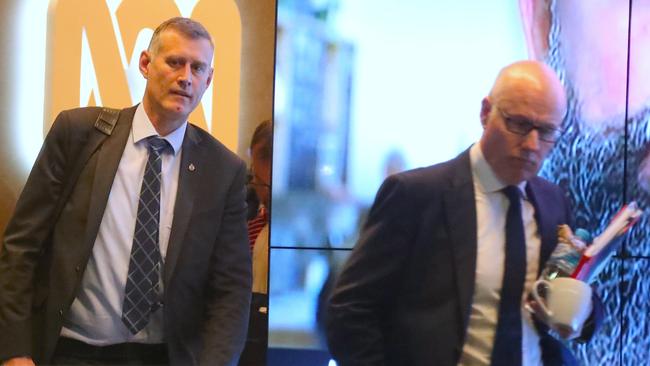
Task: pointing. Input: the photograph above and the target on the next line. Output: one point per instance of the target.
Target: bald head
(521, 119)
(530, 82)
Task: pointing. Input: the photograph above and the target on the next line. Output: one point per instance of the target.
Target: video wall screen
(365, 89)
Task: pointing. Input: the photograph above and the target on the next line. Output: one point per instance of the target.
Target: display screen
(365, 89)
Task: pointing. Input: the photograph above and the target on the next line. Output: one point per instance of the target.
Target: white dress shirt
(491, 208)
(261, 261)
(96, 313)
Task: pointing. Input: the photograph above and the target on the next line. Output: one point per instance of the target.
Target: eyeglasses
(522, 126)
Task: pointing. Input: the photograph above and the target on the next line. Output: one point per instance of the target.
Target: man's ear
(209, 77)
(536, 20)
(143, 64)
(486, 108)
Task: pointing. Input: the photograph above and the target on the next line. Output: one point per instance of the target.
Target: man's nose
(185, 77)
(531, 140)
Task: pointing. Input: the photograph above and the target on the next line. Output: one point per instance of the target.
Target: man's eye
(523, 124)
(545, 131)
(173, 62)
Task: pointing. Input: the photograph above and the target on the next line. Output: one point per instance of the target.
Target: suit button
(61, 312)
(78, 269)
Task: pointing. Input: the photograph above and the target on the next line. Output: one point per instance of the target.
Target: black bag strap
(105, 123)
(107, 120)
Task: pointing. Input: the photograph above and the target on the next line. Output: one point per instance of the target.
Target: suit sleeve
(25, 240)
(369, 278)
(228, 305)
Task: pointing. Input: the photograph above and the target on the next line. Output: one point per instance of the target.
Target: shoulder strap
(106, 120)
(105, 123)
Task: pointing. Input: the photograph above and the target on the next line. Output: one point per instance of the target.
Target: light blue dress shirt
(95, 315)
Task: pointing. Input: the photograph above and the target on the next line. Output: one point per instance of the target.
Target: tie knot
(512, 192)
(157, 145)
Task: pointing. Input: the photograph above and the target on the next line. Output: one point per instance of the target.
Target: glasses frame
(523, 126)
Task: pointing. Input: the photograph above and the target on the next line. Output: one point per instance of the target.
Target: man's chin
(178, 110)
(525, 169)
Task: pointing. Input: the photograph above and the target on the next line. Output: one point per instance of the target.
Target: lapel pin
(191, 167)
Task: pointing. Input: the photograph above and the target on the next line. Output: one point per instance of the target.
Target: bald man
(441, 271)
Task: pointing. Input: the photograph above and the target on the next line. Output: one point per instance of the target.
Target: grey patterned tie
(142, 292)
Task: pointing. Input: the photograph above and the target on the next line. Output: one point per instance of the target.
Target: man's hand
(19, 361)
(563, 331)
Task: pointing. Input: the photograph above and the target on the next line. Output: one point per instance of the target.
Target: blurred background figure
(394, 163)
(258, 198)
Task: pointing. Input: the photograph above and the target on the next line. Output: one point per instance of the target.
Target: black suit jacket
(404, 296)
(207, 273)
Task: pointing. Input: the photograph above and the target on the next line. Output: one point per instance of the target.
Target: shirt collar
(484, 176)
(143, 128)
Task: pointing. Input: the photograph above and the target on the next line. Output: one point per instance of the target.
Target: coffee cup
(566, 303)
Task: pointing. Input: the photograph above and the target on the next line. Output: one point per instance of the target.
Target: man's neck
(164, 125)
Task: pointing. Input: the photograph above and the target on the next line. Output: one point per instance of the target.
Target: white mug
(567, 303)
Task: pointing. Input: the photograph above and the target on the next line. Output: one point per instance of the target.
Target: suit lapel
(189, 179)
(553, 352)
(108, 159)
(460, 211)
(546, 227)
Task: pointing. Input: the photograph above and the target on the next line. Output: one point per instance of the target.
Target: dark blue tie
(507, 341)
(142, 293)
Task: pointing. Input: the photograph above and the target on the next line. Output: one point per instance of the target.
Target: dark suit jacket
(207, 273)
(404, 296)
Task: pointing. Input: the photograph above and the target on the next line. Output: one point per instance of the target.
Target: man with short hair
(449, 252)
(129, 243)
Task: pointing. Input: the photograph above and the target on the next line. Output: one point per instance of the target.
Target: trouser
(73, 352)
